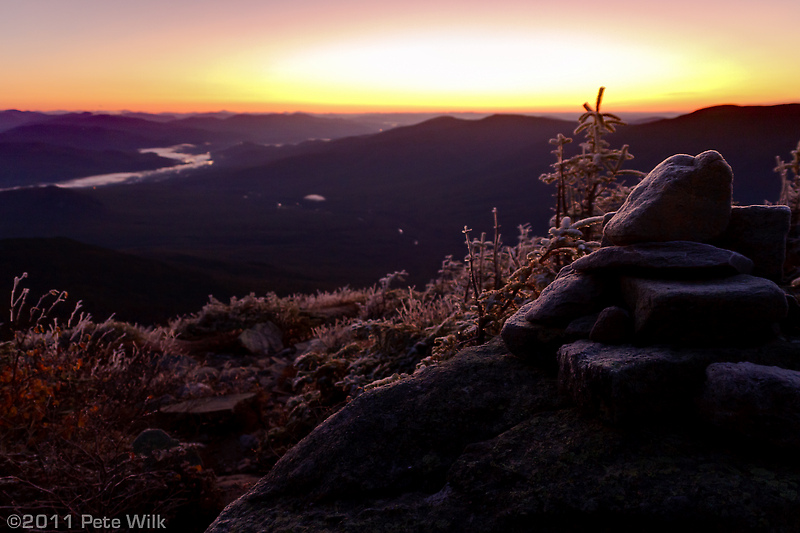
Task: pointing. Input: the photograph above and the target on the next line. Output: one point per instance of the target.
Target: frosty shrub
(790, 183)
(789, 173)
(588, 185)
(72, 398)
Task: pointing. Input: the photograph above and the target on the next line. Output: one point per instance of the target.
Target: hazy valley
(393, 200)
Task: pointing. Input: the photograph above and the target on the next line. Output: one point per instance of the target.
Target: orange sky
(396, 55)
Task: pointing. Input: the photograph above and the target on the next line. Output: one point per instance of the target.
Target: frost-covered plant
(588, 184)
(498, 279)
(790, 184)
(72, 396)
(789, 173)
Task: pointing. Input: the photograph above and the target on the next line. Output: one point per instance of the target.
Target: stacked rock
(682, 280)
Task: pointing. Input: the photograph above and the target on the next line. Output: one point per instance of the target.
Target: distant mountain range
(42, 148)
(393, 200)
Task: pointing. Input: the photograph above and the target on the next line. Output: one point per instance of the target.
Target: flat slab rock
(757, 401)
(626, 383)
(210, 406)
(571, 295)
(735, 309)
(537, 343)
(759, 232)
(666, 259)
(684, 198)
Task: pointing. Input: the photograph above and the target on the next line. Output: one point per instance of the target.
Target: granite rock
(628, 383)
(482, 443)
(533, 342)
(153, 439)
(684, 198)
(759, 402)
(666, 259)
(571, 295)
(759, 232)
(729, 310)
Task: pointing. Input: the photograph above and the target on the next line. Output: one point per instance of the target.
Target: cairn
(662, 318)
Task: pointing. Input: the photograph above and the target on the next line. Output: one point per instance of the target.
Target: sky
(346, 56)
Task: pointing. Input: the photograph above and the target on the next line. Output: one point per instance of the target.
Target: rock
(629, 383)
(153, 439)
(212, 405)
(482, 444)
(614, 325)
(684, 198)
(571, 295)
(195, 390)
(759, 402)
(759, 232)
(224, 413)
(670, 259)
(238, 375)
(731, 310)
(404, 436)
(606, 219)
(538, 343)
(262, 339)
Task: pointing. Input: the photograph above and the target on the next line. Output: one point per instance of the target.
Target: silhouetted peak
(735, 111)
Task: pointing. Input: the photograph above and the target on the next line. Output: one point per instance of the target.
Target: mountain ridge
(396, 199)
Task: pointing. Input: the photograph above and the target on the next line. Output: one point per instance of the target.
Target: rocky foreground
(653, 386)
(485, 442)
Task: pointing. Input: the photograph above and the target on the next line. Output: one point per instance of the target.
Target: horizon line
(541, 113)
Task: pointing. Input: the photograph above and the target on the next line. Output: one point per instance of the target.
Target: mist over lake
(188, 161)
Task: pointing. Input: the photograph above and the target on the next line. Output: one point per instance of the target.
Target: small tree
(588, 184)
(500, 278)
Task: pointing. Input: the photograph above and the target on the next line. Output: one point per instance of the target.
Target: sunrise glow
(509, 55)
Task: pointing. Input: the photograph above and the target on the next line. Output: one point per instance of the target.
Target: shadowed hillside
(107, 282)
(31, 163)
(392, 201)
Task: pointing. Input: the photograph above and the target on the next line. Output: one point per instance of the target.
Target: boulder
(761, 402)
(670, 259)
(571, 295)
(629, 383)
(684, 198)
(534, 343)
(759, 232)
(405, 436)
(265, 338)
(153, 439)
(730, 310)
